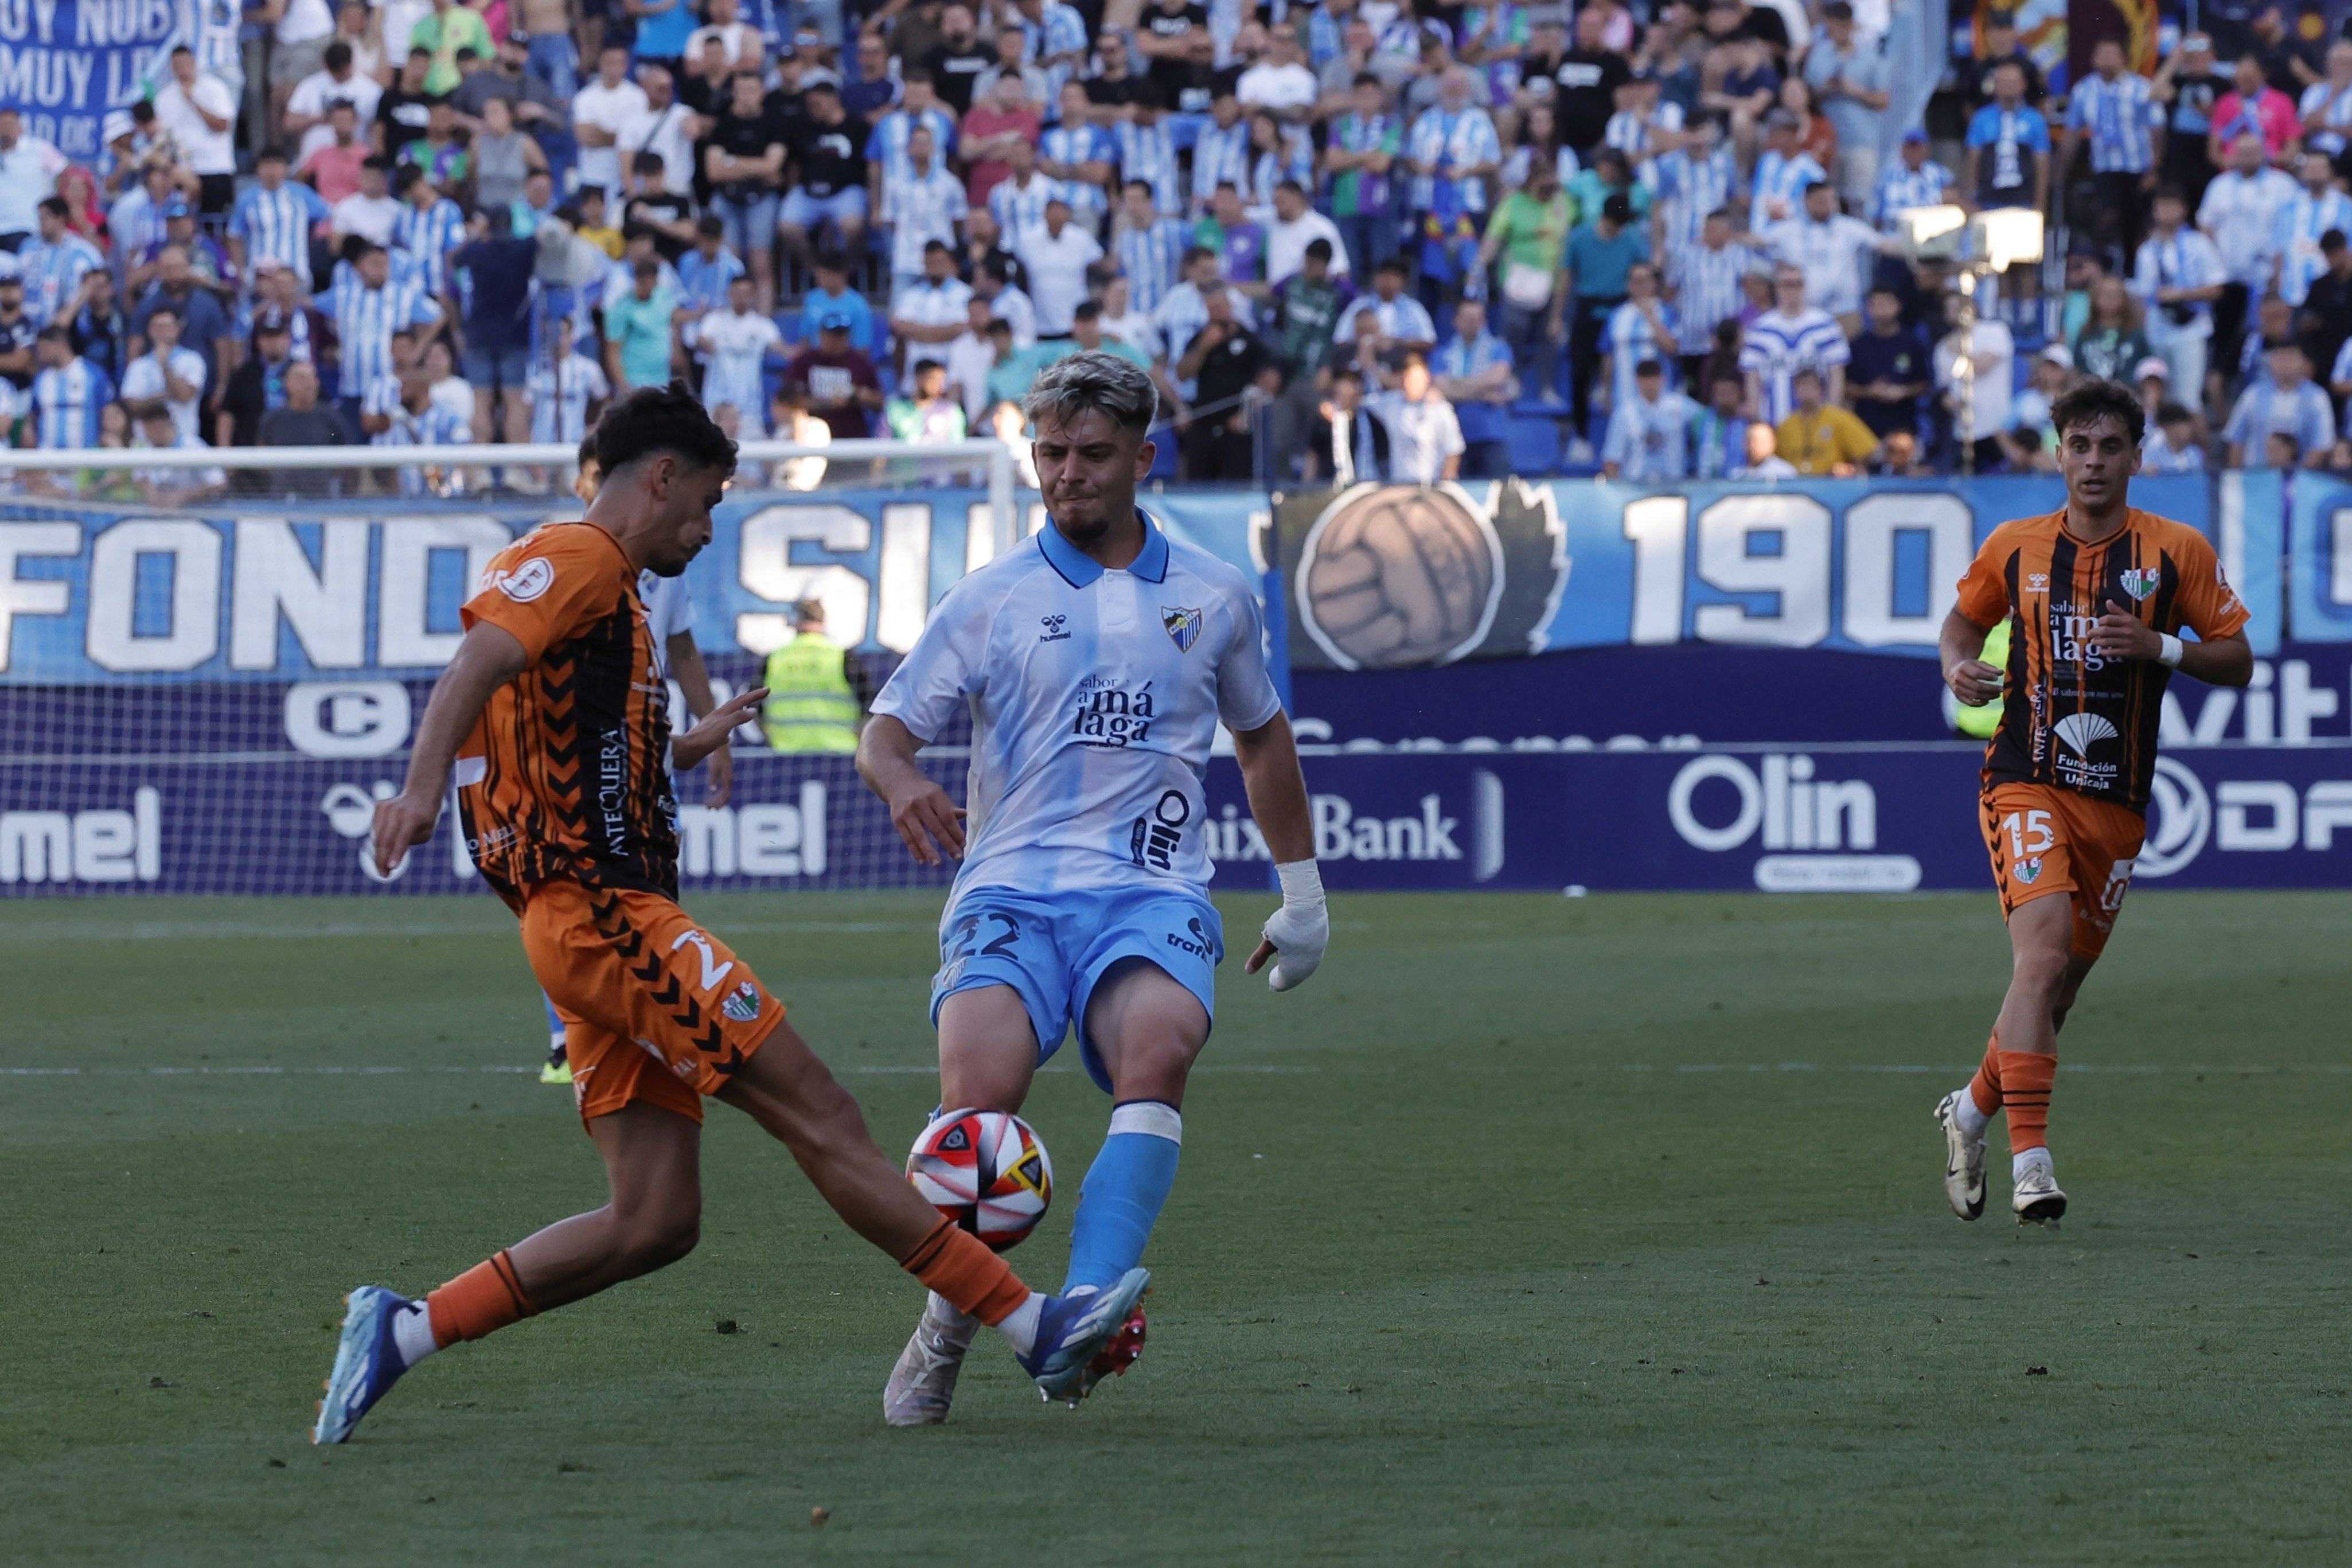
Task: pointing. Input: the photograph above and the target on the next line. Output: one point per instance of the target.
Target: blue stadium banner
(1396, 576)
(1785, 818)
(2319, 555)
(269, 593)
(65, 64)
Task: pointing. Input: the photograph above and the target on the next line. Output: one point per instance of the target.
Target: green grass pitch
(1531, 1231)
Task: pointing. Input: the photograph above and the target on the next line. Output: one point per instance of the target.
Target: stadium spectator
(160, 486)
(198, 112)
(1979, 410)
(2116, 113)
(1820, 438)
(1473, 372)
(255, 387)
(1425, 443)
(304, 421)
(1718, 435)
(1057, 257)
(2252, 107)
(744, 162)
(2170, 446)
(1887, 371)
(924, 204)
(1233, 372)
(1849, 76)
(828, 184)
(1641, 328)
(54, 263)
(68, 393)
(567, 388)
(1528, 235)
(1791, 336)
(740, 340)
(839, 380)
(599, 114)
(929, 417)
(2287, 404)
(2177, 275)
(1601, 255)
(2008, 147)
(166, 378)
(1649, 436)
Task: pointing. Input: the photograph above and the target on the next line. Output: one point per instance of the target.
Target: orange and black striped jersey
(563, 774)
(2073, 716)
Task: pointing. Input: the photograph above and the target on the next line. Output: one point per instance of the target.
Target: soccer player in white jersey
(1099, 659)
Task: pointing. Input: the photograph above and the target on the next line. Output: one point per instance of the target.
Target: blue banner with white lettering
(2319, 553)
(269, 593)
(1397, 576)
(66, 64)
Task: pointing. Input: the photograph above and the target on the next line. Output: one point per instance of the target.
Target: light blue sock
(554, 1019)
(1123, 1192)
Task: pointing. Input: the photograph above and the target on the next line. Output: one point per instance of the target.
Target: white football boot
(2038, 1200)
(922, 1385)
(1964, 1159)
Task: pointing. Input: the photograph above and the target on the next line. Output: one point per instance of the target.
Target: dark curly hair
(656, 420)
(2089, 402)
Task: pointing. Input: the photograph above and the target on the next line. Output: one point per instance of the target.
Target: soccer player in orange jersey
(2101, 593)
(552, 722)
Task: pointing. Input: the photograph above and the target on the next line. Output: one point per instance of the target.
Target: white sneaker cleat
(1964, 1159)
(2038, 1200)
(922, 1385)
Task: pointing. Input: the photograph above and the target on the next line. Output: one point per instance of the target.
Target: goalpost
(207, 681)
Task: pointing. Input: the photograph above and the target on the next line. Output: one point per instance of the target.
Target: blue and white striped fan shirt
(67, 401)
(1650, 442)
(1020, 210)
(1060, 30)
(2296, 238)
(2334, 105)
(1089, 144)
(429, 235)
(1778, 189)
(277, 224)
(1635, 134)
(560, 396)
(1778, 346)
(738, 347)
(2118, 115)
(2187, 260)
(702, 285)
(888, 145)
(1151, 259)
(53, 273)
(365, 320)
(1900, 187)
(1149, 152)
(1220, 157)
(1629, 339)
(1453, 142)
(1691, 187)
(1706, 289)
(920, 209)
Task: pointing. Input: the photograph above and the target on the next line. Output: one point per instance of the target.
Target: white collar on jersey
(1080, 570)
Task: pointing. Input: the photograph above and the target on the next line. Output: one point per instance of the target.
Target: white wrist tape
(2168, 650)
(1300, 929)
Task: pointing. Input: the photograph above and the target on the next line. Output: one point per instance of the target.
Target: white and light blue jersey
(67, 401)
(1148, 152)
(277, 224)
(53, 273)
(1151, 259)
(1081, 144)
(365, 320)
(2118, 115)
(1902, 187)
(430, 233)
(1095, 696)
(2295, 233)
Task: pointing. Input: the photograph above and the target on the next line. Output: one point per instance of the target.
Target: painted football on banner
(987, 1170)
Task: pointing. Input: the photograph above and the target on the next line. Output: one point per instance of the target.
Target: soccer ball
(987, 1170)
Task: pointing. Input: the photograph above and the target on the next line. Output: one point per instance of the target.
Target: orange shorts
(655, 1008)
(2045, 839)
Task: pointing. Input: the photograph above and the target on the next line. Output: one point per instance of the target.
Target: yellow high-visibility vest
(811, 705)
(1985, 721)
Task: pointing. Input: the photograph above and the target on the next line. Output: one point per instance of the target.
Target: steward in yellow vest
(811, 705)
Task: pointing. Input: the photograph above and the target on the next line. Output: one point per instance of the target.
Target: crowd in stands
(1360, 238)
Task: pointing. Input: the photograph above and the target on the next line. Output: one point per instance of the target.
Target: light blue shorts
(1053, 951)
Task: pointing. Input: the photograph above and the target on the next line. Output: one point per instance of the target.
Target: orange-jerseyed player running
(552, 722)
(2101, 593)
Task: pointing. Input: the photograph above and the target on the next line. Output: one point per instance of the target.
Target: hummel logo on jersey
(1183, 625)
(2037, 582)
(2139, 582)
(1054, 631)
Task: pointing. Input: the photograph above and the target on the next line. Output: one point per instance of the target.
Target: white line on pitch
(2238, 1068)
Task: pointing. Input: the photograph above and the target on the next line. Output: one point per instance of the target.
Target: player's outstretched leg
(557, 1066)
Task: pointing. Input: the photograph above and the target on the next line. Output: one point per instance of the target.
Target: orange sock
(959, 1266)
(1985, 1088)
(482, 1301)
(2025, 1079)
